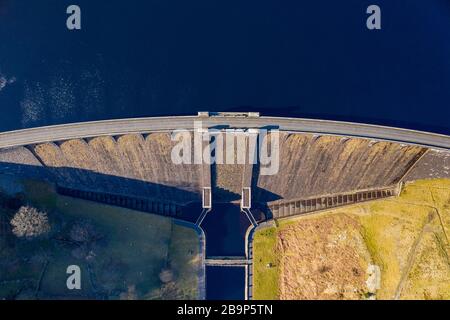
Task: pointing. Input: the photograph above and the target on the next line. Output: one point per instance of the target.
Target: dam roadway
(144, 125)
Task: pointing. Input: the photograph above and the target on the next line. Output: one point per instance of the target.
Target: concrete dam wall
(137, 165)
(313, 165)
(131, 164)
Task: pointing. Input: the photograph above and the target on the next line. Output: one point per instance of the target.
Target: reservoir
(313, 59)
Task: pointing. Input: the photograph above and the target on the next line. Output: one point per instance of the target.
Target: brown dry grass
(405, 237)
(323, 258)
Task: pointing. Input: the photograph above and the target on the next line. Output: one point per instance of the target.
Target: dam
(127, 163)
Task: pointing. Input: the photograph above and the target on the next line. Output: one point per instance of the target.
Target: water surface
(171, 57)
(225, 228)
(225, 283)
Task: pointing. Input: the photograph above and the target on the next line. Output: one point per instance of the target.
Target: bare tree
(166, 275)
(170, 291)
(85, 236)
(112, 275)
(29, 223)
(84, 232)
(130, 294)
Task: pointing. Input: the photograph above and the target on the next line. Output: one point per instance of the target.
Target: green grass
(265, 265)
(184, 259)
(142, 243)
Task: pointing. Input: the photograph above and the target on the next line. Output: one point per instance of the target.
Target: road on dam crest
(142, 125)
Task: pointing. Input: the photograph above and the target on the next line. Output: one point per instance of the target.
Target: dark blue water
(172, 57)
(225, 227)
(225, 283)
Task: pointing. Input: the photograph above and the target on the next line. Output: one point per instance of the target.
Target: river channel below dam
(225, 229)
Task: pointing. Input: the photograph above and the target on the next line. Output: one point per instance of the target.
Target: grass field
(126, 263)
(405, 237)
(265, 264)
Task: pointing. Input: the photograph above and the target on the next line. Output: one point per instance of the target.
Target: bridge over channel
(227, 261)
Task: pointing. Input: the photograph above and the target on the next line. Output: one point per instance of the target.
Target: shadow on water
(225, 227)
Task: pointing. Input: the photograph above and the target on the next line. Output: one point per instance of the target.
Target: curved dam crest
(144, 125)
